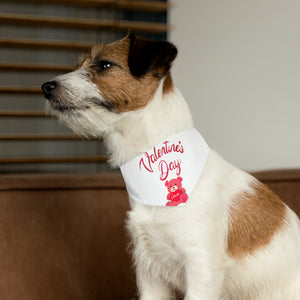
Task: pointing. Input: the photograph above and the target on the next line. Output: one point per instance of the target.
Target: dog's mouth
(59, 104)
(64, 99)
(63, 108)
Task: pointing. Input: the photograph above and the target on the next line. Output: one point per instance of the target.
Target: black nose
(48, 88)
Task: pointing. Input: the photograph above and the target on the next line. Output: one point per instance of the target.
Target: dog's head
(111, 80)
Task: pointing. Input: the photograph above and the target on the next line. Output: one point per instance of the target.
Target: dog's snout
(48, 88)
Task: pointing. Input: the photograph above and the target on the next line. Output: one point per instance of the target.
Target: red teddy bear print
(177, 194)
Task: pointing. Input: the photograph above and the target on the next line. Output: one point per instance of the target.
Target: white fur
(76, 87)
(185, 247)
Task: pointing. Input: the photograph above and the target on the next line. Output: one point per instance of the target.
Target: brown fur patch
(117, 84)
(168, 84)
(254, 219)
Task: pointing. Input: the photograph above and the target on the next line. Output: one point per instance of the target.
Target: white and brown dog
(234, 239)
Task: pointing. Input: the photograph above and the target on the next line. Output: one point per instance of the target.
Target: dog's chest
(156, 249)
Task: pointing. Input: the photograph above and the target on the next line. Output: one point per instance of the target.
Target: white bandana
(167, 174)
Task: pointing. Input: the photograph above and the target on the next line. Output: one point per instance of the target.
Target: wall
(239, 69)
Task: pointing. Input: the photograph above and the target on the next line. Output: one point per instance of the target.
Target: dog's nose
(48, 88)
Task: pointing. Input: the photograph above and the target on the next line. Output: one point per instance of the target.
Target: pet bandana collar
(167, 174)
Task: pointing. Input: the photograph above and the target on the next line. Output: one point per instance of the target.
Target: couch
(62, 236)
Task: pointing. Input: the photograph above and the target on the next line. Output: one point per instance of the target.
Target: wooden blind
(39, 40)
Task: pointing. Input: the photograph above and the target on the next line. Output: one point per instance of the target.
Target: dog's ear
(146, 55)
(166, 183)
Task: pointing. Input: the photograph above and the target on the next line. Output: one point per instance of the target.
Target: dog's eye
(103, 65)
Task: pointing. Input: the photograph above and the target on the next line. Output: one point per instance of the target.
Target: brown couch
(62, 237)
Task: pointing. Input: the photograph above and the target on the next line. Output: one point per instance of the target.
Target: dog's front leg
(151, 288)
(204, 278)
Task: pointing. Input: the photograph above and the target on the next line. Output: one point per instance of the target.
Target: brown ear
(146, 55)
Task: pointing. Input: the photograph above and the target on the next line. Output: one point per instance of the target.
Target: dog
(231, 237)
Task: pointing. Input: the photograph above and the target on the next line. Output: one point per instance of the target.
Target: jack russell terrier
(198, 224)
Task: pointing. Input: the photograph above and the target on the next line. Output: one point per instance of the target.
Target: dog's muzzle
(48, 88)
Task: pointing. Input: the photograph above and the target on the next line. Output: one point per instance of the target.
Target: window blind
(39, 40)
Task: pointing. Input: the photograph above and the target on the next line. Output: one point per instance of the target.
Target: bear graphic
(177, 194)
